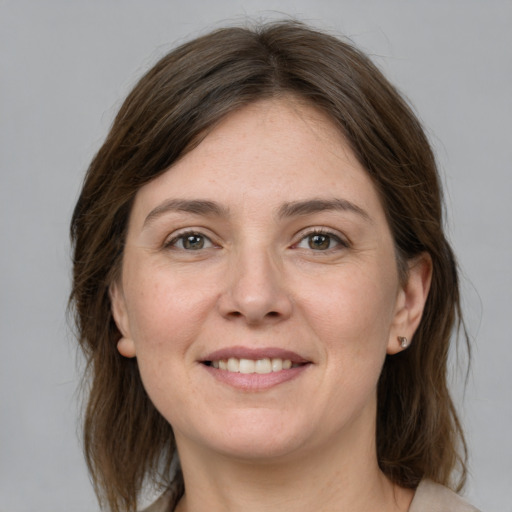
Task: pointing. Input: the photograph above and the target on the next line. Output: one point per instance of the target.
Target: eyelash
(322, 233)
(172, 244)
(331, 236)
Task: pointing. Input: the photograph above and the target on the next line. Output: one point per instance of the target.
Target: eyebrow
(290, 209)
(298, 208)
(195, 206)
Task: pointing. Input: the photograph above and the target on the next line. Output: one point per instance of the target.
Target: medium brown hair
(182, 97)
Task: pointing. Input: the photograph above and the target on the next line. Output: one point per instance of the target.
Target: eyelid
(170, 241)
(342, 240)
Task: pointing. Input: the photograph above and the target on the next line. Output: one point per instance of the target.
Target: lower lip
(255, 381)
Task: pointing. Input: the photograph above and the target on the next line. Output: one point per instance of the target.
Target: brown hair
(183, 96)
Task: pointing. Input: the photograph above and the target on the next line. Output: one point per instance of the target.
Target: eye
(320, 241)
(190, 242)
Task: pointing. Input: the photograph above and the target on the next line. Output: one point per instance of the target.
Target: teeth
(277, 365)
(233, 365)
(247, 366)
(265, 365)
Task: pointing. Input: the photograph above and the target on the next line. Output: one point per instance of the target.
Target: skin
(256, 277)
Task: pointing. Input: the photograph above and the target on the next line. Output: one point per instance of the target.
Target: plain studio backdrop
(65, 68)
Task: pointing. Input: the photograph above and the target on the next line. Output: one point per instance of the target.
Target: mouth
(248, 366)
(254, 369)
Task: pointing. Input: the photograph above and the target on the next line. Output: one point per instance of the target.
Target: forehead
(266, 154)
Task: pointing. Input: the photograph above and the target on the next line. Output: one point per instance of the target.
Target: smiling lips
(261, 366)
(254, 368)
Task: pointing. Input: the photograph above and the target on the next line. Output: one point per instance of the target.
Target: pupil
(319, 242)
(193, 242)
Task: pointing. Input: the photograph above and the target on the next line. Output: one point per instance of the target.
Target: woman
(263, 288)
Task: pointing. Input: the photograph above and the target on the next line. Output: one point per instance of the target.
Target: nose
(255, 290)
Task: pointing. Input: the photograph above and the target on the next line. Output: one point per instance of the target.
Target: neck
(343, 477)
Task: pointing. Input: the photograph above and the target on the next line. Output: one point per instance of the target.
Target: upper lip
(255, 353)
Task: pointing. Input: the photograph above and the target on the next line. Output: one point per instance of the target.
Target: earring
(403, 341)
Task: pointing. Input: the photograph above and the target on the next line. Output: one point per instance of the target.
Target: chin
(255, 435)
(259, 448)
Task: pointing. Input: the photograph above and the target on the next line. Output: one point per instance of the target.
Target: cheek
(352, 319)
(166, 317)
(165, 311)
(353, 306)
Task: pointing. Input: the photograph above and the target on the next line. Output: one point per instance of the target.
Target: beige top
(429, 497)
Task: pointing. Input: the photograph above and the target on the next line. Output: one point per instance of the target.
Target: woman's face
(264, 247)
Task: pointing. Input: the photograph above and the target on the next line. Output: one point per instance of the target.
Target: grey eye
(319, 241)
(191, 242)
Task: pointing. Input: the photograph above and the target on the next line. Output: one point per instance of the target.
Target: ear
(125, 345)
(410, 302)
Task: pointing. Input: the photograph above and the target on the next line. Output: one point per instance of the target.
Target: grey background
(64, 69)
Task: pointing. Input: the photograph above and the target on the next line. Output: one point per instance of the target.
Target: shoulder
(432, 497)
(167, 501)
(429, 497)
(162, 504)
